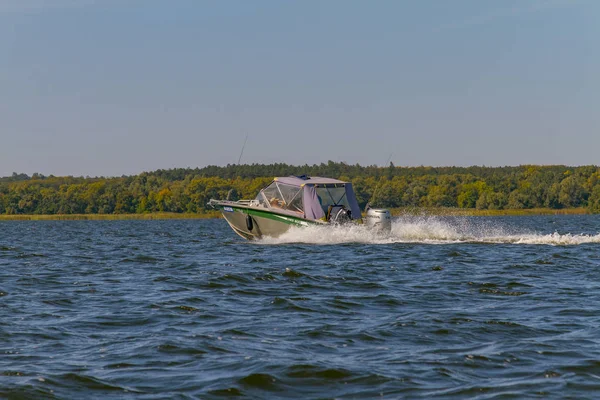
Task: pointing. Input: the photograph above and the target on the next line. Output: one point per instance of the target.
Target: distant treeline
(188, 190)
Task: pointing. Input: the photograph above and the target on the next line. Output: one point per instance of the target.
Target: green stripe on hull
(288, 219)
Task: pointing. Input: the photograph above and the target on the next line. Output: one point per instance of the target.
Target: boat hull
(254, 223)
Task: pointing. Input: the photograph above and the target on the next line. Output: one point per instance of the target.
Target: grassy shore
(109, 217)
(215, 214)
(486, 213)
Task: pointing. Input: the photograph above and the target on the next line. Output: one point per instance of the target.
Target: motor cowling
(379, 219)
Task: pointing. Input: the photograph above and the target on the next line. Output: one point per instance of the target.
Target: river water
(502, 307)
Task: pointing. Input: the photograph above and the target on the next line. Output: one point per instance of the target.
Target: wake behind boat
(297, 201)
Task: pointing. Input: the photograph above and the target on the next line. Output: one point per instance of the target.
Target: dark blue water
(441, 308)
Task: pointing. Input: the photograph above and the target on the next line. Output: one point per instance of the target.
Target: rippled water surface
(440, 308)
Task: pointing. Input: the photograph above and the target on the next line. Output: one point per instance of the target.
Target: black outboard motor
(339, 214)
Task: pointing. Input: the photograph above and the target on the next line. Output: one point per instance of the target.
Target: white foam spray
(429, 229)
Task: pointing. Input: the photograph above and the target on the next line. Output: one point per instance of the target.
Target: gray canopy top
(307, 180)
(311, 196)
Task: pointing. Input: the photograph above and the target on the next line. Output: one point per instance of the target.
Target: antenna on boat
(368, 206)
(243, 147)
(388, 160)
(379, 218)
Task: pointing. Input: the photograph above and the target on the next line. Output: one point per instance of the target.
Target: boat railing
(247, 203)
(251, 203)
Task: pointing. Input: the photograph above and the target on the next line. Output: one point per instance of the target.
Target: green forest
(188, 190)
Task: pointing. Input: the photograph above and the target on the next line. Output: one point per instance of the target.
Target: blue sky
(112, 87)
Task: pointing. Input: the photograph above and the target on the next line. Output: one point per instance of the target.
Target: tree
(470, 193)
(571, 192)
(594, 201)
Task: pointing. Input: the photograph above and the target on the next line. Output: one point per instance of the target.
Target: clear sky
(112, 87)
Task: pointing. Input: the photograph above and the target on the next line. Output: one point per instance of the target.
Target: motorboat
(297, 201)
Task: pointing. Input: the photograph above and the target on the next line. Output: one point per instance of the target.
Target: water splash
(430, 229)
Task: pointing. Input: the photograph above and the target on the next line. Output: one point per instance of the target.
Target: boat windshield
(279, 195)
(332, 196)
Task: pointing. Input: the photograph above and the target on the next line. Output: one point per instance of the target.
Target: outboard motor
(379, 219)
